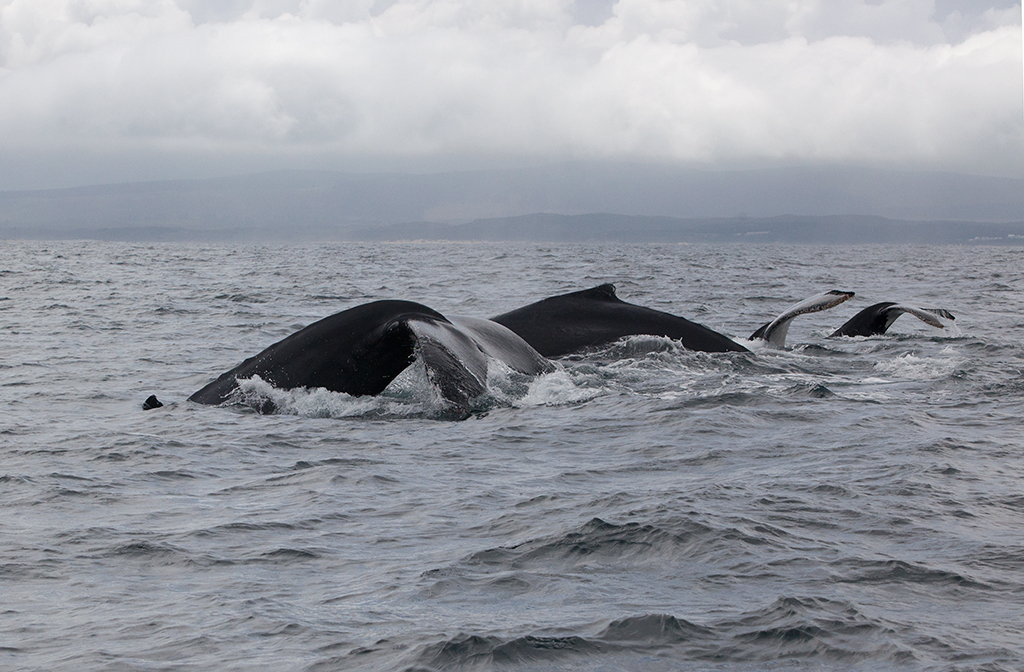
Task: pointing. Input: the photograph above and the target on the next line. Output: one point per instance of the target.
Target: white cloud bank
(713, 82)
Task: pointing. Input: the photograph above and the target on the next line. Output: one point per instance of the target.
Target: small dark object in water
(151, 403)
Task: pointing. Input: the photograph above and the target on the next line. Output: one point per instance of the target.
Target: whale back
(358, 351)
(567, 323)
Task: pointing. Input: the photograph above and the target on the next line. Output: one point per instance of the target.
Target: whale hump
(359, 352)
(775, 332)
(605, 292)
(568, 323)
(876, 319)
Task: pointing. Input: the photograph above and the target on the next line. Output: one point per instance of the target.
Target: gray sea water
(833, 505)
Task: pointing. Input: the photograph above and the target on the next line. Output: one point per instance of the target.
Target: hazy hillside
(541, 227)
(320, 205)
(783, 229)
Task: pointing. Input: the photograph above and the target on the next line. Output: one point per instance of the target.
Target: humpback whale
(775, 332)
(567, 323)
(359, 351)
(876, 319)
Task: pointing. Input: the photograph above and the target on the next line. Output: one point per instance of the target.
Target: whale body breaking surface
(568, 323)
(360, 351)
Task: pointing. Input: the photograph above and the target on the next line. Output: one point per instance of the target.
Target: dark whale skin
(568, 323)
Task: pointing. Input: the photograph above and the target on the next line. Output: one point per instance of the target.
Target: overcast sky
(96, 91)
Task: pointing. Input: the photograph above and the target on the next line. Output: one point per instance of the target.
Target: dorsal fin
(605, 292)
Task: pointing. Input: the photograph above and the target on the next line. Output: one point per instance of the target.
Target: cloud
(716, 82)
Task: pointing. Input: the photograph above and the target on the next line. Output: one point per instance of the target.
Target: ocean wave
(814, 628)
(862, 571)
(471, 651)
(600, 542)
(806, 629)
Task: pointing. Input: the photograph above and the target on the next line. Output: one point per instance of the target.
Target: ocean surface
(838, 504)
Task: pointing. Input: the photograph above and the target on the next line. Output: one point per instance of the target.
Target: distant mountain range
(568, 202)
(835, 229)
(547, 227)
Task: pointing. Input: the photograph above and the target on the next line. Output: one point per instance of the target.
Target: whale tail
(926, 315)
(775, 332)
(876, 319)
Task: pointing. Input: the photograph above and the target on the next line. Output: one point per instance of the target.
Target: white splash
(910, 366)
(556, 389)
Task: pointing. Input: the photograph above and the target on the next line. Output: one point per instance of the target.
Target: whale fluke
(876, 319)
(775, 332)
(151, 403)
(359, 351)
(567, 323)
